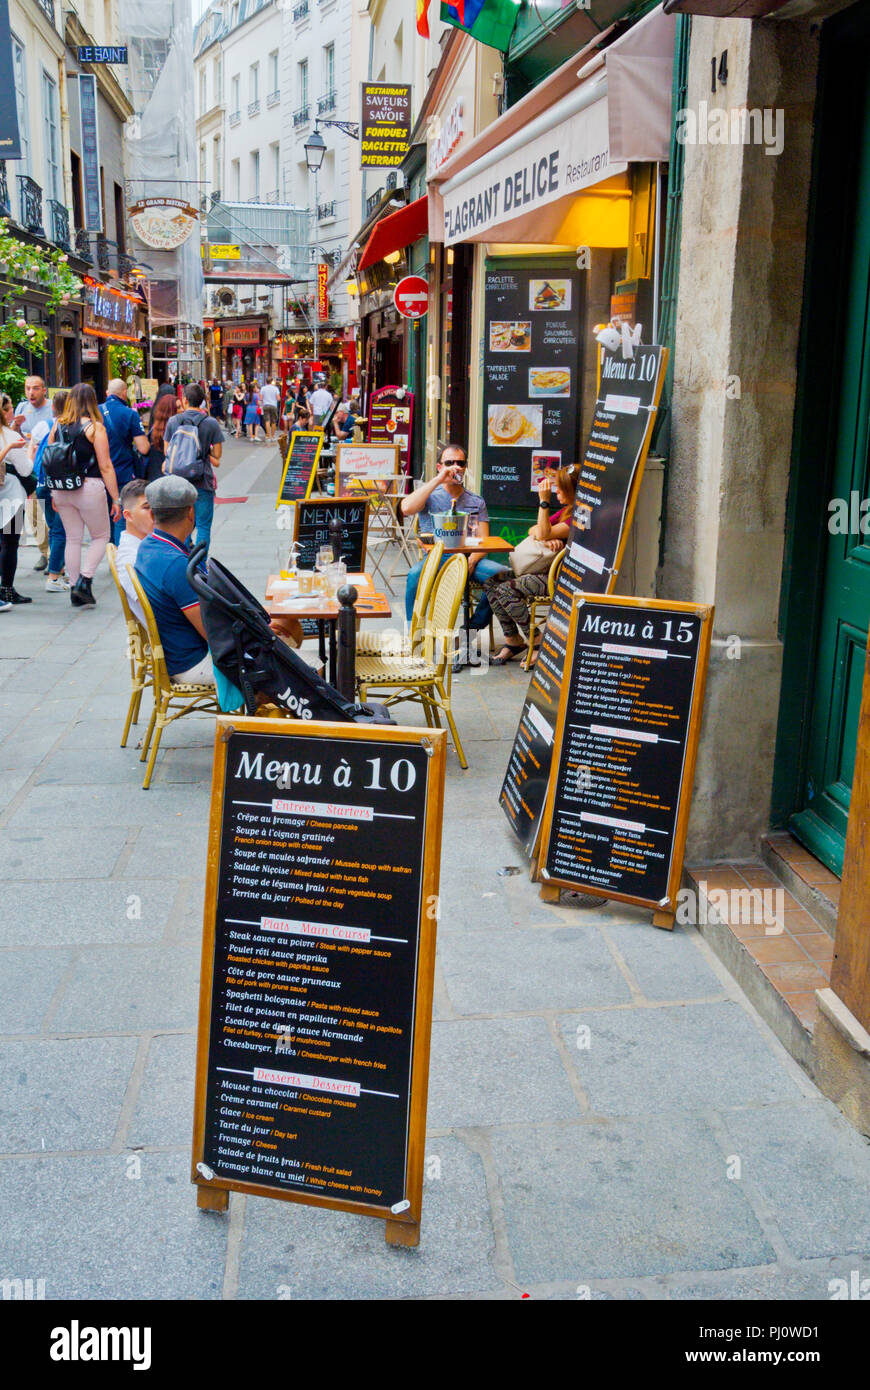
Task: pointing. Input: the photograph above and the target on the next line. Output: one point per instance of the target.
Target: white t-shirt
(12, 494)
(270, 395)
(128, 548)
(320, 401)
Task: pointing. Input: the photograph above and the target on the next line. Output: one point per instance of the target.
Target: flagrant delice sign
(571, 156)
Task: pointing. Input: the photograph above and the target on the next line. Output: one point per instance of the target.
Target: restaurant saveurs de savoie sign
(385, 127)
(571, 156)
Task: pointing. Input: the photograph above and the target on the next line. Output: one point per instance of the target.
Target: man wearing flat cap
(161, 565)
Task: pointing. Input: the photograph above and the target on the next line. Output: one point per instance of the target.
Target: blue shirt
(33, 415)
(439, 500)
(122, 427)
(161, 564)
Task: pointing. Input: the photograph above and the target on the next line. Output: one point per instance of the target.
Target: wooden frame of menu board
(647, 610)
(302, 435)
(379, 463)
(251, 1017)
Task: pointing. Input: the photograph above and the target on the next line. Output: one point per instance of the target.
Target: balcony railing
(273, 98)
(102, 252)
(47, 7)
(325, 210)
(326, 103)
(253, 108)
(125, 265)
(82, 246)
(301, 116)
(235, 117)
(5, 209)
(30, 203)
(59, 224)
(372, 202)
(392, 179)
(300, 11)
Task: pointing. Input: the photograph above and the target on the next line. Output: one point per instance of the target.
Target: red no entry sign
(411, 296)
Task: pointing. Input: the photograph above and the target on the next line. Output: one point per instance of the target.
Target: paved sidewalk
(608, 1116)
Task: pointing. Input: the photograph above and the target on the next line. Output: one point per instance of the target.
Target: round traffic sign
(411, 296)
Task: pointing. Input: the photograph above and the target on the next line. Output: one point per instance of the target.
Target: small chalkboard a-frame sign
(620, 787)
(318, 963)
(300, 466)
(311, 529)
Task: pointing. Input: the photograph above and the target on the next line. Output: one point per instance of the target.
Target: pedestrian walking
(216, 399)
(33, 411)
(252, 411)
(164, 411)
(81, 426)
(128, 441)
(271, 398)
(238, 408)
(55, 582)
(14, 465)
(198, 469)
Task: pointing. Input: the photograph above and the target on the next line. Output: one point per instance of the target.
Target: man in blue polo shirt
(161, 564)
(127, 440)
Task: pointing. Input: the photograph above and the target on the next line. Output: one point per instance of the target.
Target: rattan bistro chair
(540, 607)
(188, 696)
(138, 650)
(389, 642)
(424, 677)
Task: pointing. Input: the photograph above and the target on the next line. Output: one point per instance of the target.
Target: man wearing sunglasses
(435, 496)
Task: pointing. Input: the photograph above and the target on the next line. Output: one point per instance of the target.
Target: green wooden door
(845, 595)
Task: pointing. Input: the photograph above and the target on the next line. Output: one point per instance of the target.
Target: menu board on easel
(318, 965)
(610, 477)
(391, 420)
(300, 466)
(532, 370)
(624, 748)
(311, 520)
(361, 465)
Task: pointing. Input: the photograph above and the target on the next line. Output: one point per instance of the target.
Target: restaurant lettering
(536, 181)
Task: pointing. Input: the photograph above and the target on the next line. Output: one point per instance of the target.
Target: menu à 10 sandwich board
(317, 967)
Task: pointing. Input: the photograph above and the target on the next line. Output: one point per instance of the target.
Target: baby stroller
(248, 653)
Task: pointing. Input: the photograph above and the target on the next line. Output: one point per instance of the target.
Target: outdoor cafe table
(489, 546)
(324, 611)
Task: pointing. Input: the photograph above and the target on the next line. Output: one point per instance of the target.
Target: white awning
(518, 189)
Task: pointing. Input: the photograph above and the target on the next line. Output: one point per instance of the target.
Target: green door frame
(831, 217)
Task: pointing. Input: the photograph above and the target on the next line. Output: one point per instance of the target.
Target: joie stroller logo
(77, 1343)
(297, 704)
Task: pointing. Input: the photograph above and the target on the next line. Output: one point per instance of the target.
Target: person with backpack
(77, 467)
(193, 445)
(127, 440)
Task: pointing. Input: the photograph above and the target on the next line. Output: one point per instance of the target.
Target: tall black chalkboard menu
(532, 368)
(611, 472)
(318, 961)
(300, 465)
(624, 748)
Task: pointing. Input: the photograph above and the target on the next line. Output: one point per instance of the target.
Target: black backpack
(61, 467)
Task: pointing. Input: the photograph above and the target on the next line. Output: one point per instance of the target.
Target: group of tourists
(66, 461)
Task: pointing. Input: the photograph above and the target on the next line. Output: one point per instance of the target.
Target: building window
(235, 88)
(276, 169)
(218, 156)
(20, 74)
(218, 80)
(235, 15)
(273, 71)
(237, 180)
(254, 83)
(329, 69)
(51, 134)
(202, 170)
(255, 174)
(303, 84)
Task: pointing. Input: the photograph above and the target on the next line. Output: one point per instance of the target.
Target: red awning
(395, 232)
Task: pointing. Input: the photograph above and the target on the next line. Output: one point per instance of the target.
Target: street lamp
(315, 149)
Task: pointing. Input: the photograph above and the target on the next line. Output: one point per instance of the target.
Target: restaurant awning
(519, 180)
(396, 231)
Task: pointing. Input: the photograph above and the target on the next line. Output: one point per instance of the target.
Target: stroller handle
(195, 580)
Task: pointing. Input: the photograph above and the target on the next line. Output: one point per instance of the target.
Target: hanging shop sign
(221, 251)
(411, 297)
(101, 53)
(109, 313)
(610, 478)
(571, 156)
(624, 750)
(322, 296)
(391, 420)
(10, 135)
(318, 966)
(385, 127)
(445, 139)
(532, 370)
(241, 335)
(92, 188)
(163, 223)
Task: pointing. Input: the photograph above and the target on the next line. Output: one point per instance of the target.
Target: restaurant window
(51, 134)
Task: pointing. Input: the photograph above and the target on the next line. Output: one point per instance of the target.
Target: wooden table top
(495, 544)
(369, 604)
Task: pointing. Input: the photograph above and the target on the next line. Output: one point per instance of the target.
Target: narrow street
(608, 1116)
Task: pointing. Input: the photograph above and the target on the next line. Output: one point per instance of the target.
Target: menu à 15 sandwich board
(317, 967)
(610, 476)
(624, 750)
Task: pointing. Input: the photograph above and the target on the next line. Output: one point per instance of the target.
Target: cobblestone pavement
(608, 1116)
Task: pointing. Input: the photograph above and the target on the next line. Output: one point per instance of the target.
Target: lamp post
(315, 149)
